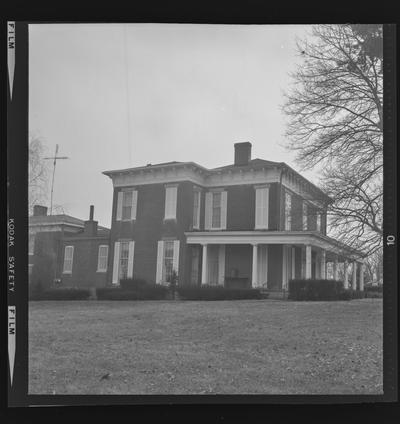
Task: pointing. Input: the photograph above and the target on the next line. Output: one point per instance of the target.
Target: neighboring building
(85, 256)
(253, 223)
(48, 236)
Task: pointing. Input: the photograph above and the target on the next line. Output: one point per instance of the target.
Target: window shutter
(116, 262)
(175, 263)
(160, 256)
(130, 259)
(208, 211)
(119, 205)
(224, 201)
(134, 204)
(262, 206)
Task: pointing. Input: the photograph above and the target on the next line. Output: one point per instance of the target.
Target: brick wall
(85, 261)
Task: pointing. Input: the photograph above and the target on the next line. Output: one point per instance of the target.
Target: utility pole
(55, 158)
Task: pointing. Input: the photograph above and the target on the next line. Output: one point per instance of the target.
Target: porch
(270, 259)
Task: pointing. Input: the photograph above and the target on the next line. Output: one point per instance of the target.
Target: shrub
(61, 294)
(315, 289)
(374, 289)
(373, 294)
(156, 292)
(217, 293)
(133, 283)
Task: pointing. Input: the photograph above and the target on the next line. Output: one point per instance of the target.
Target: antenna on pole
(55, 158)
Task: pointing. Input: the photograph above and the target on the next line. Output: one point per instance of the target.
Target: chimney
(90, 225)
(242, 153)
(39, 210)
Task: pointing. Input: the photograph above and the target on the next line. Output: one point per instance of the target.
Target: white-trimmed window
(196, 208)
(261, 207)
(305, 216)
(167, 260)
(123, 260)
(31, 246)
(215, 210)
(170, 202)
(68, 259)
(126, 205)
(288, 211)
(318, 221)
(102, 258)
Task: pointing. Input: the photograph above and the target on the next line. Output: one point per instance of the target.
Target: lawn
(221, 347)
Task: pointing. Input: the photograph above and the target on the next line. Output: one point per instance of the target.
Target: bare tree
(38, 173)
(335, 123)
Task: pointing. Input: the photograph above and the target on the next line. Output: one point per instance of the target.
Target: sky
(115, 96)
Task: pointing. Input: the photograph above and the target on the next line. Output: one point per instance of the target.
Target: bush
(217, 293)
(373, 294)
(374, 289)
(61, 294)
(156, 292)
(133, 284)
(315, 289)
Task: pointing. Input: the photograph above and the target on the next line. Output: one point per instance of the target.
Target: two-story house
(253, 223)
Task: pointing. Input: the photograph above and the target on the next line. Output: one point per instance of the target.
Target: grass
(221, 347)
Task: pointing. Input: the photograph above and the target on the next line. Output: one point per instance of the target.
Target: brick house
(254, 223)
(65, 249)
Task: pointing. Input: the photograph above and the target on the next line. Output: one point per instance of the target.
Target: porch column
(308, 262)
(254, 271)
(362, 266)
(346, 276)
(335, 269)
(204, 265)
(323, 264)
(354, 282)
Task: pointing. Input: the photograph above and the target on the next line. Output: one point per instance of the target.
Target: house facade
(254, 223)
(67, 251)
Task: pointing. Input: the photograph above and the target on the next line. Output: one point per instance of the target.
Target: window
(123, 260)
(167, 260)
(31, 246)
(216, 206)
(305, 216)
(196, 209)
(318, 221)
(30, 268)
(68, 259)
(126, 205)
(170, 202)
(288, 211)
(216, 210)
(262, 200)
(102, 258)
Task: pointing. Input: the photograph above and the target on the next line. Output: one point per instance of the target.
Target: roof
(258, 163)
(252, 164)
(63, 219)
(56, 219)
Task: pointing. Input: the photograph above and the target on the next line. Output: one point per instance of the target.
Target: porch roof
(312, 238)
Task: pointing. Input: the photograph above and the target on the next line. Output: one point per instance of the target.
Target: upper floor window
(68, 259)
(216, 206)
(262, 201)
(196, 209)
(102, 258)
(170, 202)
(288, 211)
(31, 246)
(318, 221)
(126, 205)
(305, 216)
